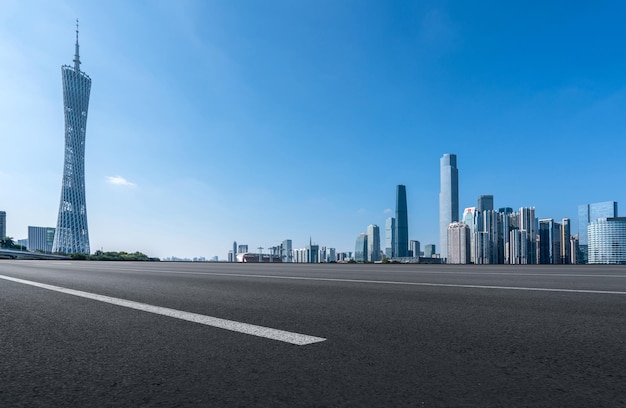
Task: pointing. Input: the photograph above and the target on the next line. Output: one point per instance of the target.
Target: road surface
(328, 335)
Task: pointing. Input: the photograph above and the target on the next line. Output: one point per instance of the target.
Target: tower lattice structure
(72, 233)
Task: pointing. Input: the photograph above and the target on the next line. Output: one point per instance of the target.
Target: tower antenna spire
(76, 53)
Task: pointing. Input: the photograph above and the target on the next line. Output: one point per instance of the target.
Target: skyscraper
(390, 237)
(402, 223)
(471, 219)
(234, 257)
(565, 241)
(607, 240)
(458, 243)
(448, 199)
(485, 202)
(528, 223)
(414, 248)
(588, 213)
(313, 252)
(287, 251)
(72, 234)
(549, 241)
(360, 250)
(373, 243)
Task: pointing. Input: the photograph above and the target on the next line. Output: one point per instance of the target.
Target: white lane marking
(251, 329)
(445, 285)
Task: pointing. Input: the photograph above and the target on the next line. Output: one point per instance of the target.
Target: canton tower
(72, 234)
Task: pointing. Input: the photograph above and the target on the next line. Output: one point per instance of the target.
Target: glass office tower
(373, 243)
(72, 234)
(402, 223)
(448, 199)
(485, 202)
(607, 241)
(588, 213)
(360, 250)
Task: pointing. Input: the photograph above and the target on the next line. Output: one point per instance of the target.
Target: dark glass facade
(402, 223)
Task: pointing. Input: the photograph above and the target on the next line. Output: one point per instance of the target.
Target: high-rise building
(40, 238)
(233, 258)
(286, 251)
(360, 250)
(489, 225)
(565, 241)
(504, 236)
(607, 241)
(313, 252)
(482, 248)
(471, 219)
(458, 243)
(448, 198)
(242, 249)
(549, 241)
(402, 223)
(72, 233)
(574, 251)
(414, 248)
(588, 213)
(332, 255)
(528, 223)
(518, 247)
(390, 237)
(485, 202)
(3, 224)
(430, 250)
(373, 243)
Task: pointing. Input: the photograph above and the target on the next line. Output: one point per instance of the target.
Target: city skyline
(200, 107)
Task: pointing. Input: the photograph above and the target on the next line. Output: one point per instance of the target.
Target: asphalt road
(391, 335)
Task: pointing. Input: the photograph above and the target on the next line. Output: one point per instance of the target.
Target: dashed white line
(254, 330)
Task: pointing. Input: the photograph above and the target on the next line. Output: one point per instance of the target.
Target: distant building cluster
(397, 246)
(488, 236)
(285, 253)
(482, 235)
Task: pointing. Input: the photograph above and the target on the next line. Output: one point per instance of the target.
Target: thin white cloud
(119, 181)
(388, 211)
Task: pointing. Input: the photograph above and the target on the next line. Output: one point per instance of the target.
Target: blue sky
(256, 121)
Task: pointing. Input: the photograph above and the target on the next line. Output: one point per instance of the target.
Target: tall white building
(458, 243)
(471, 219)
(528, 222)
(607, 241)
(390, 237)
(448, 198)
(518, 247)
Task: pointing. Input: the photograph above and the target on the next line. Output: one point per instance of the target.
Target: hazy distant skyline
(215, 121)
